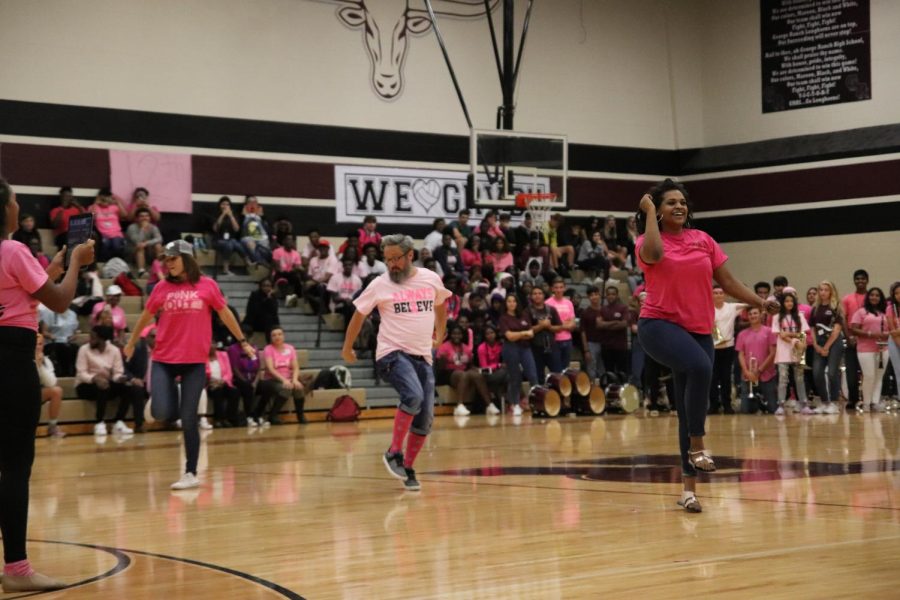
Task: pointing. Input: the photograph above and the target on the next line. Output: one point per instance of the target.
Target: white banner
(412, 196)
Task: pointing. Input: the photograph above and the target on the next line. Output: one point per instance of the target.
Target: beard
(400, 275)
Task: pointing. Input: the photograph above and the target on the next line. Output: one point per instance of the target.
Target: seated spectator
(220, 388)
(352, 242)
(311, 249)
(255, 233)
(321, 269)
(521, 235)
(221, 335)
(35, 246)
(245, 373)
(423, 257)
(592, 257)
(371, 266)
(262, 308)
(156, 274)
(559, 239)
(140, 200)
(27, 231)
(454, 366)
(108, 210)
(434, 238)
(59, 215)
(50, 391)
(506, 285)
(500, 258)
(460, 231)
(471, 254)
(490, 361)
(533, 250)
(368, 235)
(89, 290)
(488, 228)
(610, 234)
(496, 308)
(506, 228)
(454, 302)
(281, 380)
(448, 257)
(100, 375)
(342, 289)
(532, 274)
(281, 228)
(113, 298)
(59, 339)
(137, 370)
(226, 231)
(288, 269)
(144, 241)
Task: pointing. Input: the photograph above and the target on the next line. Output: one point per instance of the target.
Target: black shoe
(301, 418)
(276, 421)
(411, 483)
(394, 463)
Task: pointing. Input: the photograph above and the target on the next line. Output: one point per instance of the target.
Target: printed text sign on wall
(814, 52)
(413, 196)
(166, 176)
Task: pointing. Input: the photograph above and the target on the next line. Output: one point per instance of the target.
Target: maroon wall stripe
(605, 194)
(289, 179)
(54, 166)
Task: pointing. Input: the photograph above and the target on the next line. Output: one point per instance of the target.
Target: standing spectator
(789, 325)
(100, 376)
(343, 288)
(288, 270)
(893, 326)
(517, 333)
(613, 332)
(245, 370)
(26, 233)
(113, 298)
(50, 390)
(140, 200)
(723, 361)
(281, 380)
(435, 237)
(779, 283)
(370, 267)
(756, 356)
(59, 215)
(566, 311)
(850, 304)
(262, 308)
(545, 323)
(227, 233)
(870, 327)
(448, 257)
(591, 337)
(454, 366)
(220, 388)
(59, 338)
(144, 240)
(828, 323)
(367, 233)
(108, 210)
(255, 233)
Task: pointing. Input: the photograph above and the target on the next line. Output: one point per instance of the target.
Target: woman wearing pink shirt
(790, 325)
(455, 367)
(108, 209)
(500, 258)
(869, 324)
(24, 284)
(185, 301)
(113, 297)
(281, 380)
(471, 254)
(893, 321)
(490, 360)
(675, 325)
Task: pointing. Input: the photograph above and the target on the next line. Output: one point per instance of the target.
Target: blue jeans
(549, 360)
(112, 247)
(564, 351)
(765, 391)
(829, 387)
(413, 378)
(638, 358)
(226, 247)
(519, 360)
(595, 366)
(690, 356)
(894, 353)
(165, 404)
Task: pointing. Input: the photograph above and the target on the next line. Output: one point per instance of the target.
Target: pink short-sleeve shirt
(20, 276)
(282, 360)
(184, 331)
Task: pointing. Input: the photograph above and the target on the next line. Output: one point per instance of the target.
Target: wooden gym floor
(802, 507)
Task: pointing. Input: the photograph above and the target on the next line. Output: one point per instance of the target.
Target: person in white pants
(870, 325)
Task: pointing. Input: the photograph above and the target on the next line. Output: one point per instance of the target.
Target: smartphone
(80, 229)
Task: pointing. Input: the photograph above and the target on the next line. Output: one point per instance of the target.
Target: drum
(594, 403)
(560, 383)
(622, 398)
(544, 401)
(581, 381)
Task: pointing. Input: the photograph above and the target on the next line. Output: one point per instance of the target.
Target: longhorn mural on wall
(387, 25)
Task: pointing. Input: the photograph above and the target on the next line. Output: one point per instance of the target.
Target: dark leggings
(128, 395)
(20, 409)
(165, 404)
(690, 356)
(720, 390)
(829, 387)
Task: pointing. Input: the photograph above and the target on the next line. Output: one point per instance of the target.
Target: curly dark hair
(657, 192)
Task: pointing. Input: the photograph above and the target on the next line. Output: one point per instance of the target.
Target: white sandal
(690, 504)
(701, 461)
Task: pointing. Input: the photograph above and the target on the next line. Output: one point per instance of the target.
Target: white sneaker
(178, 423)
(492, 409)
(831, 408)
(517, 410)
(251, 422)
(204, 424)
(121, 427)
(792, 405)
(461, 410)
(264, 424)
(780, 411)
(187, 481)
(100, 429)
(877, 407)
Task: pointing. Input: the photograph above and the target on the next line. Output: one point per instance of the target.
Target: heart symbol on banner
(426, 193)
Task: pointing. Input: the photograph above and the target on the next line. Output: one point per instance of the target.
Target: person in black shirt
(262, 308)
(545, 324)
(227, 232)
(26, 231)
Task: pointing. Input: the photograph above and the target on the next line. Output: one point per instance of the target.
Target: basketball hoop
(539, 206)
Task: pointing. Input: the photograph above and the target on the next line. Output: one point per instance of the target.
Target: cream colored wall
(806, 261)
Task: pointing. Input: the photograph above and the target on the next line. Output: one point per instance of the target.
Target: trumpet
(717, 335)
(752, 366)
(799, 350)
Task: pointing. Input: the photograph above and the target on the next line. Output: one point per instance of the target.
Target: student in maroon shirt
(613, 330)
(591, 338)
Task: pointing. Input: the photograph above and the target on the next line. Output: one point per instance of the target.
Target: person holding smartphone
(23, 284)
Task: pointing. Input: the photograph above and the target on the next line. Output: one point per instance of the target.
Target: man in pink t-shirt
(852, 303)
(756, 356)
(410, 302)
(566, 312)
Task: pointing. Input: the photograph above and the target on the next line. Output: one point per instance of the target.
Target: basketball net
(539, 206)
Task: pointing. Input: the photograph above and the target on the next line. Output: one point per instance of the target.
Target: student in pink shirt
(500, 258)
(455, 366)
(185, 301)
(566, 313)
(288, 267)
(367, 234)
(220, 388)
(756, 356)
(893, 325)
(108, 210)
(410, 302)
(281, 380)
(675, 325)
(342, 287)
(850, 304)
(113, 297)
(490, 360)
(790, 325)
(23, 285)
(869, 324)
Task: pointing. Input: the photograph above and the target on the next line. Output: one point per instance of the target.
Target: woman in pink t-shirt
(23, 284)
(679, 263)
(455, 366)
(893, 321)
(108, 209)
(790, 325)
(490, 360)
(471, 254)
(185, 301)
(500, 258)
(870, 326)
(281, 380)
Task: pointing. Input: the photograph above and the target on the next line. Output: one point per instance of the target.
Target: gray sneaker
(394, 463)
(411, 483)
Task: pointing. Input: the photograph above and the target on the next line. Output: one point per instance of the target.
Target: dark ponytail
(5, 197)
(657, 192)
